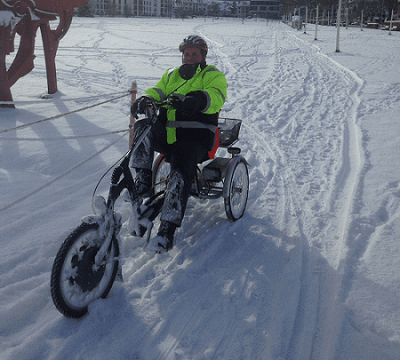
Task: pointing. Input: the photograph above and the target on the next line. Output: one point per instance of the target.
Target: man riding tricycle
(182, 124)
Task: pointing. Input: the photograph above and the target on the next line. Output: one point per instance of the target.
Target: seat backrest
(211, 153)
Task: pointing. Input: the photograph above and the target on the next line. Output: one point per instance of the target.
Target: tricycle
(88, 261)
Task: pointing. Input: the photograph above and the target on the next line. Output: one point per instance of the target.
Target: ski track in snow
(301, 73)
(273, 285)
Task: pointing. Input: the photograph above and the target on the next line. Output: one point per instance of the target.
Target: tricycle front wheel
(75, 280)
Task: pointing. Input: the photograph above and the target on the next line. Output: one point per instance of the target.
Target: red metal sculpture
(24, 17)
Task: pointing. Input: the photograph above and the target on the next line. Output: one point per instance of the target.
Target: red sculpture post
(6, 47)
(24, 17)
(51, 39)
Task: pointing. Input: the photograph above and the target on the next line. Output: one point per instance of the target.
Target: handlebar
(153, 106)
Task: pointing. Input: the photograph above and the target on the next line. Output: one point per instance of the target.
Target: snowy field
(312, 269)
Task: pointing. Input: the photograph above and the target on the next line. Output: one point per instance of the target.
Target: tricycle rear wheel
(161, 170)
(237, 182)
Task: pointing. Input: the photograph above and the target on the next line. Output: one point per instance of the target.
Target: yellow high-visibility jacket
(209, 80)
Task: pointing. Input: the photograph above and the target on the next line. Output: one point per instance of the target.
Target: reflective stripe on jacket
(209, 80)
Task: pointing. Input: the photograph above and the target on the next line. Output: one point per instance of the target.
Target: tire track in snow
(344, 202)
(343, 195)
(352, 234)
(316, 109)
(285, 200)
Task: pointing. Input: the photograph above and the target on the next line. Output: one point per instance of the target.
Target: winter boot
(165, 237)
(143, 182)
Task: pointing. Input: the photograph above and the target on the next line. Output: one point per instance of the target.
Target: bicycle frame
(110, 222)
(141, 222)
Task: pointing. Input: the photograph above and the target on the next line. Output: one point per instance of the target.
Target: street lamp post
(338, 25)
(391, 24)
(316, 24)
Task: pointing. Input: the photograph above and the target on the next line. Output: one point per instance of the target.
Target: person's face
(192, 56)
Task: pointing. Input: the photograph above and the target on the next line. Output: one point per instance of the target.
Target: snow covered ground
(312, 269)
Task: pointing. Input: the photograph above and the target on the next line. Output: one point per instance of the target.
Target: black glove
(140, 105)
(193, 102)
(189, 106)
(175, 102)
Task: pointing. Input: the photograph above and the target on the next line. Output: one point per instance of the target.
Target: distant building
(131, 7)
(182, 8)
(270, 9)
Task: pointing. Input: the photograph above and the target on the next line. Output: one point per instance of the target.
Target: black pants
(183, 157)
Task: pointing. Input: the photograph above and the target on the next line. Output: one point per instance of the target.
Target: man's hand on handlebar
(189, 105)
(141, 105)
(175, 101)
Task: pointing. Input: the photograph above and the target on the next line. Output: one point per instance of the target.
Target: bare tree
(391, 5)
